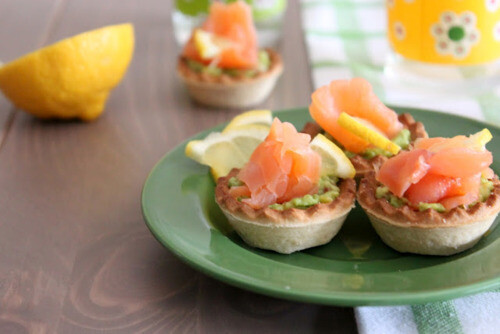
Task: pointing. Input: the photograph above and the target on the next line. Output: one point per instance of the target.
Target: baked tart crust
(226, 91)
(188, 74)
(428, 232)
(429, 218)
(289, 230)
(294, 215)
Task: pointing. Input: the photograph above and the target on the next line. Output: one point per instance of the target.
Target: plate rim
(350, 298)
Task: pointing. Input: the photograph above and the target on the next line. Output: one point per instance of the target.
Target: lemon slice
(369, 134)
(225, 151)
(333, 159)
(263, 117)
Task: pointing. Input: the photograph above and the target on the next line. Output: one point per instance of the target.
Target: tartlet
(428, 232)
(230, 91)
(227, 68)
(289, 230)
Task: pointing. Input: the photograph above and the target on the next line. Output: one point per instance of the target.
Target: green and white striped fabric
(346, 38)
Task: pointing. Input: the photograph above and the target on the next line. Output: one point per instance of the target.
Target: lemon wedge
(263, 117)
(481, 138)
(205, 44)
(367, 133)
(209, 45)
(225, 151)
(333, 159)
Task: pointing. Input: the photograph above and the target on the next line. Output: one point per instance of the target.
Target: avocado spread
(402, 139)
(262, 66)
(234, 182)
(328, 191)
(383, 192)
(485, 189)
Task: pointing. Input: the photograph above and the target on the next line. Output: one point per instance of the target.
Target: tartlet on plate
(289, 196)
(428, 232)
(289, 230)
(439, 198)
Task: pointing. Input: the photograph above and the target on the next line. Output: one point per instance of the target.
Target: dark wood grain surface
(75, 254)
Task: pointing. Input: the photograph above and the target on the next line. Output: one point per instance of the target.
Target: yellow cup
(457, 32)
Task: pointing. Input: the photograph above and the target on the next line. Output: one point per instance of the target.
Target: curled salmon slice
(460, 162)
(356, 98)
(430, 189)
(281, 168)
(403, 170)
(453, 175)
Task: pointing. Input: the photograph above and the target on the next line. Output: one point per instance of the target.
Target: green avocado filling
(328, 191)
(234, 182)
(397, 202)
(262, 66)
(383, 192)
(402, 139)
(485, 189)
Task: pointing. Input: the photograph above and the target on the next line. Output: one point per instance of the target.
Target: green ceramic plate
(356, 268)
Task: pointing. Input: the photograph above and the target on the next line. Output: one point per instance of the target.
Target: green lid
(192, 7)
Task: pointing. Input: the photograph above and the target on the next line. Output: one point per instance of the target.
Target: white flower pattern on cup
(390, 3)
(496, 31)
(456, 34)
(492, 5)
(399, 30)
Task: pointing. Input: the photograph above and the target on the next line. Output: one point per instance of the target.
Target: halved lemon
(71, 78)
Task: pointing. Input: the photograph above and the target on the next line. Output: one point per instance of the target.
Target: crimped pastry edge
(428, 232)
(232, 93)
(289, 230)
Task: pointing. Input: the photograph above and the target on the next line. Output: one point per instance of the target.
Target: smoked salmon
(233, 23)
(439, 170)
(356, 98)
(281, 168)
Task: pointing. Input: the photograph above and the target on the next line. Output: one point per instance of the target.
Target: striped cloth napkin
(346, 38)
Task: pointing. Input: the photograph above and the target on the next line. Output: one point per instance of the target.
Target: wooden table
(75, 254)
